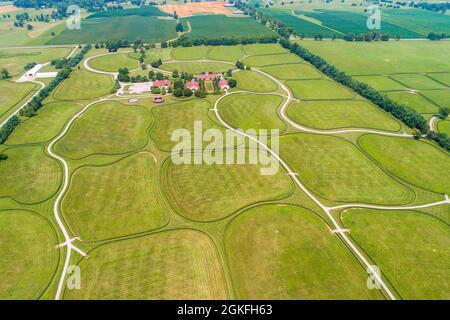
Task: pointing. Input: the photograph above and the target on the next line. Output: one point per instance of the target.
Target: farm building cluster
(208, 82)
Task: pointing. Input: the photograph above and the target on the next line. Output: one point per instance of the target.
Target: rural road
(338, 230)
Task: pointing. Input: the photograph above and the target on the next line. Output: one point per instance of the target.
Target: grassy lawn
(253, 81)
(421, 163)
(107, 127)
(384, 57)
(271, 59)
(441, 77)
(414, 101)
(11, 94)
(14, 60)
(440, 97)
(113, 62)
(181, 264)
(293, 71)
(45, 125)
(29, 175)
(417, 81)
(83, 85)
(287, 252)
(154, 54)
(214, 26)
(381, 83)
(197, 67)
(258, 48)
(177, 116)
(318, 89)
(341, 114)
(411, 249)
(251, 111)
(444, 126)
(29, 258)
(210, 192)
(115, 200)
(336, 170)
(226, 53)
(190, 53)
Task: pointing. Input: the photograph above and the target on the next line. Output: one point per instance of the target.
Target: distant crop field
(146, 11)
(221, 26)
(300, 26)
(350, 22)
(420, 21)
(132, 28)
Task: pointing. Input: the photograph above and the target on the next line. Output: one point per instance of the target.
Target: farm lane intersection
(339, 230)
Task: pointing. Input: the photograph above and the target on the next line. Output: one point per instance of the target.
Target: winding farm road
(288, 99)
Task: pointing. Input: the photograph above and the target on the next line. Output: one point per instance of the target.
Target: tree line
(408, 116)
(36, 103)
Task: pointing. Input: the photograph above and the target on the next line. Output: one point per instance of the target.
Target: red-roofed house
(206, 76)
(162, 84)
(192, 85)
(223, 84)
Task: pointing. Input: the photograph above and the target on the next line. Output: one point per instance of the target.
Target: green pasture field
(84, 85)
(440, 97)
(287, 252)
(381, 58)
(29, 175)
(132, 28)
(444, 126)
(144, 11)
(381, 83)
(190, 53)
(181, 115)
(225, 53)
(352, 22)
(14, 60)
(266, 48)
(197, 67)
(253, 81)
(318, 90)
(421, 163)
(300, 26)
(293, 71)
(205, 192)
(108, 127)
(179, 264)
(105, 202)
(417, 20)
(271, 59)
(413, 100)
(341, 114)
(11, 94)
(29, 257)
(113, 62)
(214, 26)
(441, 77)
(410, 247)
(336, 170)
(417, 81)
(11, 36)
(45, 125)
(153, 54)
(251, 111)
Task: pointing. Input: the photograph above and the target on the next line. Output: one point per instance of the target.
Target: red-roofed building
(162, 84)
(223, 84)
(192, 85)
(206, 76)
